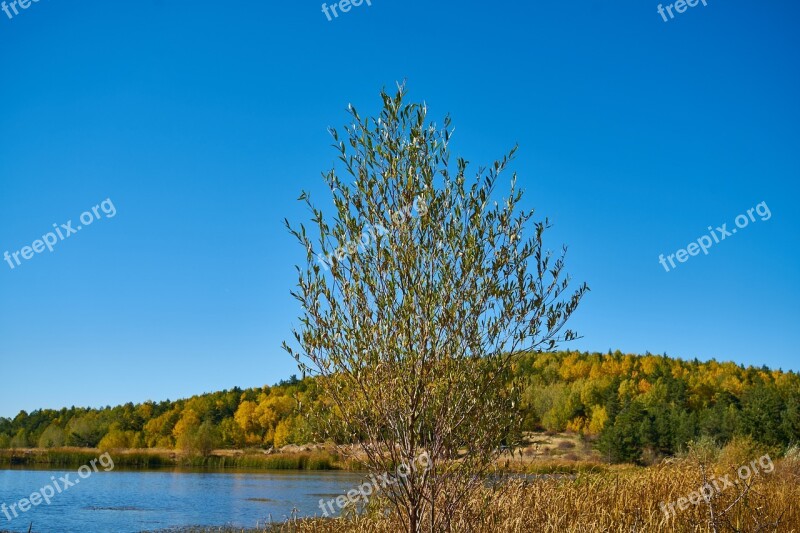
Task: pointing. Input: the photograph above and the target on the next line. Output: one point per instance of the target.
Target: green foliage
(75, 458)
(195, 425)
(52, 437)
(117, 439)
(20, 439)
(203, 440)
(655, 405)
(87, 430)
(641, 406)
(434, 280)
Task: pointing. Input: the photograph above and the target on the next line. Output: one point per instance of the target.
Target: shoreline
(158, 459)
(543, 454)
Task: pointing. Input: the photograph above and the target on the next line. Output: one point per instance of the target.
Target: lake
(135, 501)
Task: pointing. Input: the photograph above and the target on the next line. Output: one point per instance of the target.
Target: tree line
(640, 408)
(635, 408)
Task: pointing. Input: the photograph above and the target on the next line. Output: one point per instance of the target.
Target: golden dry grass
(613, 499)
(622, 499)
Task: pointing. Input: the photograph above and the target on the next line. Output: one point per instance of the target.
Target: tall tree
(415, 297)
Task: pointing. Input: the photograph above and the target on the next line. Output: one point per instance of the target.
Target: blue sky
(202, 122)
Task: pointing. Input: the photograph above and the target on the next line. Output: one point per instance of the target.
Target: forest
(633, 408)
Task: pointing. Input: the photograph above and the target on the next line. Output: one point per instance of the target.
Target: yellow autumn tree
(184, 429)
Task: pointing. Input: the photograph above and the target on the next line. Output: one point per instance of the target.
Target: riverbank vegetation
(614, 499)
(618, 499)
(153, 459)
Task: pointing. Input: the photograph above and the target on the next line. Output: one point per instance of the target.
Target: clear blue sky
(202, 121)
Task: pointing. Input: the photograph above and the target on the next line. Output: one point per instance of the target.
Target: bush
(116, 440)
(202, 440)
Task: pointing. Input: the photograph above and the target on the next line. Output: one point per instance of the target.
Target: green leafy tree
(20, 440)
(86, 430)
(232, 434)
(416, 296)
(204, 439)
(52, 437)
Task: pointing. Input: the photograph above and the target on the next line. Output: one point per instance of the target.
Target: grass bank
(542, 453)
(155, 459)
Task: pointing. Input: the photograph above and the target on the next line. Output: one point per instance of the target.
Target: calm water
(131, 502)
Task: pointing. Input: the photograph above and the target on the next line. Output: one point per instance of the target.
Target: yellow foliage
(116, 439)
(576, 425)
(599, 419)
(282, 433)
(189, 421)
(245, 416)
